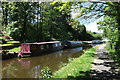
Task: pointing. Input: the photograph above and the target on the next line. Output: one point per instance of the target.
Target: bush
(6, 37)
(3, 41)
(46, 73)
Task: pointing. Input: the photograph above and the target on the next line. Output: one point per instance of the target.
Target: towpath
(103, 67)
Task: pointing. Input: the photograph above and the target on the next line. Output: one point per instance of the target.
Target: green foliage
(45, 21)
(16, 49)
(97, 36)
(46, 73)
(70, 59)
(108, 25)
(111, 26)
(62, 65)
(1, 38)
(5, 44)
(111, 23)
(3, 41)
(73, 69)
(113, 54)
(13, 42)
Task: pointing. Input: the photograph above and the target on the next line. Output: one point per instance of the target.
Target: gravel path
(103, 67)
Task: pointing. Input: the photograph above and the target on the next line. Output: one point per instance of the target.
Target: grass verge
(77, 68)
(5, 44)
(1, 38)
(13, 42)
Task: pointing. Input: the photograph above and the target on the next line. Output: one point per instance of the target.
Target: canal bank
(77, 68)
(101, 66)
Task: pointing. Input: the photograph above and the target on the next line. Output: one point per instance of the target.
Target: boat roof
(75, 41)
(51, 42)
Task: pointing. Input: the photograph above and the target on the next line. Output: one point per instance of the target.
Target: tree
(109, 10)
(41, 21)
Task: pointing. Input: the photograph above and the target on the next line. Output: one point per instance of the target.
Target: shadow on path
(104, 68)
(112, 74)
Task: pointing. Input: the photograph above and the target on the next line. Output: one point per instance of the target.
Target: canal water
(31, 67)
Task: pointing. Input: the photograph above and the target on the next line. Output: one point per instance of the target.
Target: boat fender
(19, 55)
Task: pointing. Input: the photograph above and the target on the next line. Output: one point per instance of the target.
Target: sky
(90, 24)
(93, 27)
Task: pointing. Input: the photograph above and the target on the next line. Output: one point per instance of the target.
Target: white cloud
(92, 27)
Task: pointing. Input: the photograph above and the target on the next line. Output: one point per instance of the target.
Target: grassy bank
(5, 44)
(77, 68)
(16, 49)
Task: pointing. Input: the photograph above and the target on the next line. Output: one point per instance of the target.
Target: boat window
(56, 45)
(59, 44)
(42, 47)
(47, 46)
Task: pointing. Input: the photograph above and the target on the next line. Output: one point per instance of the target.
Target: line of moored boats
(33, 49)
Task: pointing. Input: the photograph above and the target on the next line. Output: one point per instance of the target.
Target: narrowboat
(87, 42)
(97, 41)
(33, 49)
(72, 44)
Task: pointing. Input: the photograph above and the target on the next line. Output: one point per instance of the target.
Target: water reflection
(31, 67)
(11, 69)
(36, 71)
(25, 63)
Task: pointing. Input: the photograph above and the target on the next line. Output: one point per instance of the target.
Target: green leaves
(45, 21)
(46, 73)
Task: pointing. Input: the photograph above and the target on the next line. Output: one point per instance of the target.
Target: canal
(31, 67)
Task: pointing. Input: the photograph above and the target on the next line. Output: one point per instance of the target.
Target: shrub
(46, 73)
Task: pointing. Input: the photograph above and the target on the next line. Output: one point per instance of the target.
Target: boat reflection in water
(25, 63)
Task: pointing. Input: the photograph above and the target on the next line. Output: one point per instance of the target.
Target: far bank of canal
(31, 67)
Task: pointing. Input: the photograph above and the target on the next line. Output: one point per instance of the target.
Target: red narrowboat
(33, 49)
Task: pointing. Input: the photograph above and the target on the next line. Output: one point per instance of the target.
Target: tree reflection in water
(11, 69)
(36, 71)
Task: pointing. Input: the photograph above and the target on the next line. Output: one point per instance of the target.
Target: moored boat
(97, 41)
(33, 49)
(72, 44)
